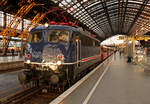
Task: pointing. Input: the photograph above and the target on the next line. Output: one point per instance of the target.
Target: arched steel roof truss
(110, 17)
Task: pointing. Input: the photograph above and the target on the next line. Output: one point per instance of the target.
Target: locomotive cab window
(35, 37)
(58, 36)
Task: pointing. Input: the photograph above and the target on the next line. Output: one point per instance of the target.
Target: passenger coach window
(58, 36)
(35, 37)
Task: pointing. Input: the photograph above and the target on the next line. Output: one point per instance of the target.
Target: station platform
(113, 82)
(10, 63)
(5, 59)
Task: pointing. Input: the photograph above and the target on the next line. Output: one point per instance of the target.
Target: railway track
(19, 96)
(33, 95)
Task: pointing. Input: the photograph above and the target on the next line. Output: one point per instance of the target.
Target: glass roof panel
(93, 14)
(111, 2)
(92, 4)
(64, 2)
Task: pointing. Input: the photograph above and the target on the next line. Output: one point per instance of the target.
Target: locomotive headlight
(28, 61)
(46, 24)
(60, 57)
(59, 62)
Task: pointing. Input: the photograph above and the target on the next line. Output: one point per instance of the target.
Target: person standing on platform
(129, 53)
(120, 52)
(12, 51)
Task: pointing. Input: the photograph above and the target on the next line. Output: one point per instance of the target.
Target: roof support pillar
(22, 28)
(4, 22)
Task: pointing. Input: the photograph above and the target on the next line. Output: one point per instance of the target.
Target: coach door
(78, 48)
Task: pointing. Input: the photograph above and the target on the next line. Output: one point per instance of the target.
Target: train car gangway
(113, 82)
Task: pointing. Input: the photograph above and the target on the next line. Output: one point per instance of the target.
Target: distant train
(58, 54)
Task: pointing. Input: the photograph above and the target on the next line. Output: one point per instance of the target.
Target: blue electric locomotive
(59, 54)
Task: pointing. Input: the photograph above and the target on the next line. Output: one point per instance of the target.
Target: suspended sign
(139, 38)
(132, 39)
(146, 39)
(121, 37)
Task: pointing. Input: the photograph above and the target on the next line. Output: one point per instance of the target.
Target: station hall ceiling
(107, 17)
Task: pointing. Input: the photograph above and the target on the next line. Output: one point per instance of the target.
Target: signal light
(59, 57)
(28, 56)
